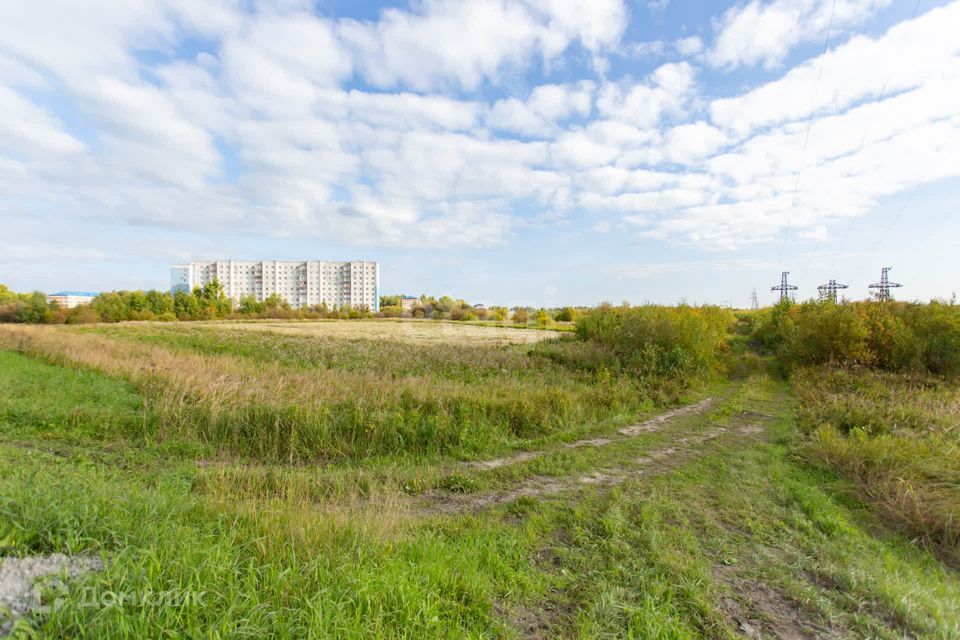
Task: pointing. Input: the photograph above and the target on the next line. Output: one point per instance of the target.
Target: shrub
(654, 340)
(891, 336)
(543, 318)
(520, 316)
(86, 314)
(35, 308)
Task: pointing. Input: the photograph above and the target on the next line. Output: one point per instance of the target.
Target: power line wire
(806, 135)
(863, 138)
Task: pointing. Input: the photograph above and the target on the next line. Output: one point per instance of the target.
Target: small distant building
(480, 307)
(407, 303)
(71, 299)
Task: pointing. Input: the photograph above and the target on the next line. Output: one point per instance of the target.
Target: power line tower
(829, 291)
(785, 288)
(754, 300)
(883, 287)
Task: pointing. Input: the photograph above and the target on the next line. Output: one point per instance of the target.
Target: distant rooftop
(85, 294)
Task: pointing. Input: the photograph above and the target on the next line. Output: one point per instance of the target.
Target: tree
(35, 308)
(567, 314)
(110, 307)
(249, 306)
(499, 314)
(6, 295)
(275, 301)
(83, 314)
(185, 306)
(212, 291)
(159, 302)
(520, 316)
(543, 318)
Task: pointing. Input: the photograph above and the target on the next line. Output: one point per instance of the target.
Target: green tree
(159, 302)
(186, 306)
(275, 301)
(35, 308)
(111, 307)
(6, 295)
(249, 306)
(543, 318)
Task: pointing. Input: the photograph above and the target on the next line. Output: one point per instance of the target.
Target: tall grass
(261, 407)
(897, 437)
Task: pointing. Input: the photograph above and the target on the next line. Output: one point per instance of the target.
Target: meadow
(650, 476)
(319, 397)
(879, 392)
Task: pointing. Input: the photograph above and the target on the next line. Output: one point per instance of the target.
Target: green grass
(300, 399)
(738, 528)
(43, 400)
(270, 571)
(897, 437)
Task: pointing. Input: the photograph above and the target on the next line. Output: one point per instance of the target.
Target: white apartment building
(71, 299)
(353, 284)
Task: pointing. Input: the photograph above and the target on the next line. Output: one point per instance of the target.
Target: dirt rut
(664, 458)
(648, 426)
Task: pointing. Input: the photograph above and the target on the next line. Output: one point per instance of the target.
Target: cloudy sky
(522, 151)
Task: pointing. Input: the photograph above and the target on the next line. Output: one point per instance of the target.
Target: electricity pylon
(784, 288)
(883, 287)
(829, 291)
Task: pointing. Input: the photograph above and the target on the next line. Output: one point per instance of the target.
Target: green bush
(891, 336)
(679, 341)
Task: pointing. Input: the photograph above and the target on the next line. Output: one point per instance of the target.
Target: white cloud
(274, 127)
(646, 49)
(27, 130)
(764, 32)
(463, 44)
(546, 107)
(689, 46)
(644, 104)
(688, 143)
(908, 55)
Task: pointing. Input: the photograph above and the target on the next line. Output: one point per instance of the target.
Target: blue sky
(540, 152)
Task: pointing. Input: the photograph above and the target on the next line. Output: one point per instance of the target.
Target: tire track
(648, 426)
(658, 460)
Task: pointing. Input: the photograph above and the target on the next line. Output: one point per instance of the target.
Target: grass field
(897, 437)
(409, 331)
(304, 481)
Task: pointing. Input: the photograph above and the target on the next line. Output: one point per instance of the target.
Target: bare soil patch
(759, 611)
(23, 579)
(648, 426)
(410, 331)
(681, 450)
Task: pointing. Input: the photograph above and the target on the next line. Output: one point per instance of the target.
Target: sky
(536, 152)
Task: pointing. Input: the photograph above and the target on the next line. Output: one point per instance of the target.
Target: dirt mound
(23, 579)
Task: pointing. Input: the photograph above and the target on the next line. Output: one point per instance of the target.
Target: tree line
(447, 308)
(892, 336)
(211, 303)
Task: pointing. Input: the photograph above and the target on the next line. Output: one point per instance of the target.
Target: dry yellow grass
(267, 409)
(409, 331)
